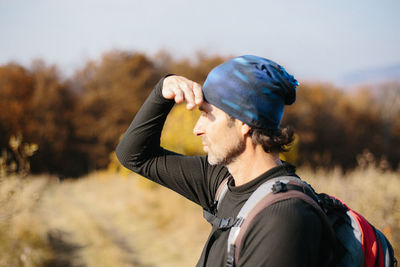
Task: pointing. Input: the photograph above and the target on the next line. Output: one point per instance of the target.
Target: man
(241, 104)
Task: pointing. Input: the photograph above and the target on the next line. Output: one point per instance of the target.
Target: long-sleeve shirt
(287, 233)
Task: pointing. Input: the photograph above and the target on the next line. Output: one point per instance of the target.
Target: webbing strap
(230, 258)
(211, 216)
(220, 223)
(221, 191)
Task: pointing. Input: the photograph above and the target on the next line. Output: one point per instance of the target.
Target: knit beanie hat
(252, 89)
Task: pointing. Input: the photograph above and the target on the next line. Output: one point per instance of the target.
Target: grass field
(106, 219)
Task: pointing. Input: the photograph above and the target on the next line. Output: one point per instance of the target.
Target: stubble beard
(229, 156)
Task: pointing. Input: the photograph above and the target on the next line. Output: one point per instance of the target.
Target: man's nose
(198, 129)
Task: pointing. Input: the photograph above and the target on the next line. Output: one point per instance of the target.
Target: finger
(198, 94)
(178, 95)
(188, 95)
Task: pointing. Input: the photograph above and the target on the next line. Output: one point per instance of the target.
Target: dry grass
(22, 237)
(111, 220)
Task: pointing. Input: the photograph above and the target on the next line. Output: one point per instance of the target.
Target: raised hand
(182, 89)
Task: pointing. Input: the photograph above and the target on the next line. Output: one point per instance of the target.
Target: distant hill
(371, 76)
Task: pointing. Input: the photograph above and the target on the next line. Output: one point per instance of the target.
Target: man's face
(220, 135)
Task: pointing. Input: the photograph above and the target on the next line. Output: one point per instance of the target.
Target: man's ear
(245, 129)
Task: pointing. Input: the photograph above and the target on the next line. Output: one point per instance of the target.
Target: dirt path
(114, 221)
(107, 221)
(81, 232)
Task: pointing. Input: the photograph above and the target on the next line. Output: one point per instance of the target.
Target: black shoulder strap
(271, 192)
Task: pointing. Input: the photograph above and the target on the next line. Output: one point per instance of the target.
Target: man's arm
(139, 149)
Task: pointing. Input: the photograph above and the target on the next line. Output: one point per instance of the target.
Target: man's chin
(212, 161)
(215, 161)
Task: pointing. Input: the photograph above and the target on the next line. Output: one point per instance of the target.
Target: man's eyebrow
(204, 108)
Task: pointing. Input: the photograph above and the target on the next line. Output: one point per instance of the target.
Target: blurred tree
(50, 125)
(388, 101)
(16, 89)
(335, 127)
(77, 123)
(310, 116)
(37, 105)
(110, 93)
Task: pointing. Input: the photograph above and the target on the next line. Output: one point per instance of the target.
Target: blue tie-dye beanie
(252, 89)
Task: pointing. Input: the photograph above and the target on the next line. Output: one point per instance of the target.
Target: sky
(317, 40)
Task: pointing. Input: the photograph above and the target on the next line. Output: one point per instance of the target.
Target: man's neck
(251, 164)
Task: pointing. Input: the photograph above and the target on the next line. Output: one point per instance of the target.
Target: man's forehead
(210, 108)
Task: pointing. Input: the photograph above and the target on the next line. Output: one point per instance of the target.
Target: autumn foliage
(77, 122)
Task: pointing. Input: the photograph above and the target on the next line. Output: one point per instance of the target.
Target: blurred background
(74, 73)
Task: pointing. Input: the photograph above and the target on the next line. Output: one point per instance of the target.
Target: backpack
(361, 244)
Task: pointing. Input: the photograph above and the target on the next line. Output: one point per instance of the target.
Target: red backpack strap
(370, 243)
